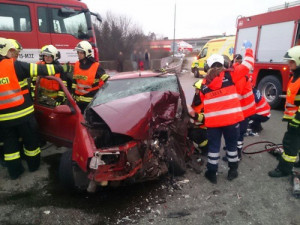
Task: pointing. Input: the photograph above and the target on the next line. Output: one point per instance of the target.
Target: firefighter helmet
(85, 47)
(293, 54)
(198, 84)
(50, 50)
(215, 58)
(5, 46)
(17, 44)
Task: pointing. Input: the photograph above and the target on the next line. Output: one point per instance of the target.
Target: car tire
(270, 87)
(66, 175)
(196, 72)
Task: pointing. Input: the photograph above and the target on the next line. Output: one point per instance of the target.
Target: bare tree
(118, 33)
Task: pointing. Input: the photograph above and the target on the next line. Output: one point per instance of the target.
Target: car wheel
(66, 175)
(270, 87)
(196, 73)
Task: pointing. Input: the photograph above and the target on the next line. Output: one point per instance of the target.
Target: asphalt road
(253, 198)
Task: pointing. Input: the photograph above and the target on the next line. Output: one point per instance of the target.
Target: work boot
(277, 173)
(232, 174)
(257, 129)
(33, 162)
(211, 176)
(224, 158)
(15, 169)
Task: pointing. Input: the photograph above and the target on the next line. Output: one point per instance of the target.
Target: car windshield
(116, 89)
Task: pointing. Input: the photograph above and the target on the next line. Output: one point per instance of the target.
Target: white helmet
(17, 45)
(85, 47)
(50, 50)
(5, 46)
(215, 58)
(293, 54)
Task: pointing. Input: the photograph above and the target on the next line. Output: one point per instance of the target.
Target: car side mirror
(62, 109)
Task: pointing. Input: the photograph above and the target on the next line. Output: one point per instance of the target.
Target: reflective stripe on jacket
(11, 94)
(222, 106)
(292, 99)
(247, 100)
(50, 87)
(85, 79)
(263, 108)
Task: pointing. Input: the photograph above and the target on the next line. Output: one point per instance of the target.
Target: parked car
(135, 129)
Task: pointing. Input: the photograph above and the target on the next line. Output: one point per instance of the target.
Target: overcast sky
(194, 18)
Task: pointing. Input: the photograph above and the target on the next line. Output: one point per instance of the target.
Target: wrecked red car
(135, 129)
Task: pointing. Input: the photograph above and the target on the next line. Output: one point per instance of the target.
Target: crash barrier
(172, 64)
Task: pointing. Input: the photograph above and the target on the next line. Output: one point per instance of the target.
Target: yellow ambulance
(223, 46)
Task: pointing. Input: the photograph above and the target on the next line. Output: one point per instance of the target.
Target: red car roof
(136, 74)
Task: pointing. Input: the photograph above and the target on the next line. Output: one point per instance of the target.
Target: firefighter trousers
(214, 135)
(291, 146)
(28, 132)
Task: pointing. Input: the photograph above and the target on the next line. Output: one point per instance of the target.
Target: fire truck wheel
(270, 87)
(66, 175)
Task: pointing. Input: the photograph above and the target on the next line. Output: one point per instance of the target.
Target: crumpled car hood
(134, 115)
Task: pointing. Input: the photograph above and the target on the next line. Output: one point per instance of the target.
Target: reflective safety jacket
(86, 82)
(221, 102)
(16, 103)
(262, 106)
(244, 86)
(292, 99)
(51, 88)
(198, 122)
(11, 93)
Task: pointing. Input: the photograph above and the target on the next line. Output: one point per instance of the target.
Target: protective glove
(247, 44)
(293, 126)
(67, 67)
(104, 77)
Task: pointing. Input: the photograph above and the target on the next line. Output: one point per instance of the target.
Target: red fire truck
(271, 34)
(35, 23)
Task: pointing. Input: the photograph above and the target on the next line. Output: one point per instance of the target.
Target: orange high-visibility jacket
(85, 79)
(221, 106)
(11, 94)
(244, 86)
(263, 108)
(292, 96)
(49, 85)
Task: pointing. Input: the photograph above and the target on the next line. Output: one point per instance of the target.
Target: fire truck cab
(35, 23)
(271, 35)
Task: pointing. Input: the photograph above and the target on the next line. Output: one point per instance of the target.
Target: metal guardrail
(172, 64)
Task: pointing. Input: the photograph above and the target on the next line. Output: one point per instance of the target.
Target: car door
(57, 120)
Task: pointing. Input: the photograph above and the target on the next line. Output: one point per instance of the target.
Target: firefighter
(16, 110)
(291, 139)
(88, 76)
(198, 133)
(50, 89)
(223, 112)
(13, 53)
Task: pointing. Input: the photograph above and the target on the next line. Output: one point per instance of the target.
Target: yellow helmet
(5, 46)
(198, 84)
(17, 44)
(85, 47)
(50, 50)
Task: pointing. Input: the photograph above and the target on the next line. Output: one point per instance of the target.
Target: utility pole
(174, 30)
